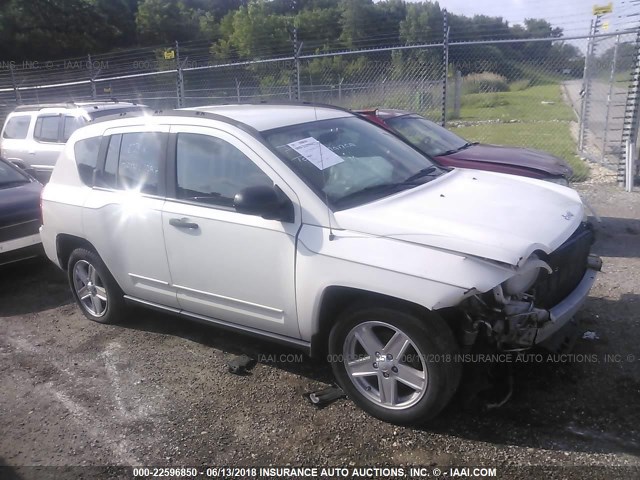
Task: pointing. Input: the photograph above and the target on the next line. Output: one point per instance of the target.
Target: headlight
(523, 281)
(558, 180)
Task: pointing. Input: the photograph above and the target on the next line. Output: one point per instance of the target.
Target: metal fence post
(445, 67)
(611, 82)
(457, 95)
(296, 55)
(631, 120)
(585, 87)
(92, 80)
(16, 90)
(629, 153)
(179, 78)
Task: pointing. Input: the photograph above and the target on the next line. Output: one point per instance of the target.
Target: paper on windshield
(316, 153)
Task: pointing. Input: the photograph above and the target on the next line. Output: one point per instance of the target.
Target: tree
(165, 21)
(250, 32)
(356, 21)
(320, 28)
(62, 28)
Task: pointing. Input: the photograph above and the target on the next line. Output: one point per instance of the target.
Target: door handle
(182, 223)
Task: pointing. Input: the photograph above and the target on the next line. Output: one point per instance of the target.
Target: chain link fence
(605, 91)
(573, 97)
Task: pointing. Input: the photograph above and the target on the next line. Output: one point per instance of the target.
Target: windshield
(10, 176)
(349, 161)
(425, 135)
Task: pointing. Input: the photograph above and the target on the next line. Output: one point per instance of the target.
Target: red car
(450, 150)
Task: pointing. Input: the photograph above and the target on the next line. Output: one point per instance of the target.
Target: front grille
(569, 264)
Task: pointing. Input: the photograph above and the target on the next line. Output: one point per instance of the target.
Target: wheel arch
(336, 299)
(66, 244)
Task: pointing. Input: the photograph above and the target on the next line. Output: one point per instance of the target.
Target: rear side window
(46, 129)
(86, 152)
(71, 124)
(133, 162)
(17, 127)
(139, 163)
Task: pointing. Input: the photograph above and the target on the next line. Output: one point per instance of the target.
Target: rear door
(122, 216)
(47, 145)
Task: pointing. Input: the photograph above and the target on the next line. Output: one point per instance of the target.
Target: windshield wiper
(455, 150)
(425, 172)
(392, 187)
(373, 189)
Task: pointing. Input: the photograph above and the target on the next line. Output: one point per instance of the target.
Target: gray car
(34, 135)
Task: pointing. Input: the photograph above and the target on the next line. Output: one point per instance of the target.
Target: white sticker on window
(316, 153)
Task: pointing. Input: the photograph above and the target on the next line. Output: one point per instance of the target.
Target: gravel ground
(156, 391)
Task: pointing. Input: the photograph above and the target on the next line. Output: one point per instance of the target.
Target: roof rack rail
(302, 103)
(40, 106)
(179, 113)
(115, 116)
(212, 115)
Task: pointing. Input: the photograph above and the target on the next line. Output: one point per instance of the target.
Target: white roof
(266, 117)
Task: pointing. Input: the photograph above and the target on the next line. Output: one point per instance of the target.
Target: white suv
(310, 226)
(34, 135)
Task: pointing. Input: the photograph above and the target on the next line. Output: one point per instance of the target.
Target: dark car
(450, 150)
(19, 214)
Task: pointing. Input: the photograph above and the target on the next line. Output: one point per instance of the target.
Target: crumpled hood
(525, 157)
(484, 214)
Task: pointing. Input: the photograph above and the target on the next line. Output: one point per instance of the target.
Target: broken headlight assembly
(526, 276)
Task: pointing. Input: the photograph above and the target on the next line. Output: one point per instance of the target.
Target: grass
(544, 126)
(553, 137)
(521, 104)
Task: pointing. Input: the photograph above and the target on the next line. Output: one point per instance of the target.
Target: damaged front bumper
(519, 324)
(565, 310)
(525, 325)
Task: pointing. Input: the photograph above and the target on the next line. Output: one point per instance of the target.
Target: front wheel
(93, 287)
(396, 365)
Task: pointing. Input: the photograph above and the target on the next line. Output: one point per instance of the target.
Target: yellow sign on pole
(603, 10)
(169, 54)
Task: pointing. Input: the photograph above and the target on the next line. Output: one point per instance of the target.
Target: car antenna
(332, 237)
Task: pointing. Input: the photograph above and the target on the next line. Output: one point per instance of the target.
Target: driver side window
(211, 170)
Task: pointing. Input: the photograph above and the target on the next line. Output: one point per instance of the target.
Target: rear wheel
(93, 287)
(395, 364)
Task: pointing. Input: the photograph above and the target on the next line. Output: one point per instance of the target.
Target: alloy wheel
(89, 288)
(384, 364)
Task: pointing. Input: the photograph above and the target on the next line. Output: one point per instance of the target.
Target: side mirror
(266, 202)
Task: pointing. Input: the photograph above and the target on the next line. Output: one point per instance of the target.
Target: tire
(421, 354)
(94, 288)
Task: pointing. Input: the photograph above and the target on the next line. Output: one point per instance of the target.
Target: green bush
(484, 82)
(520, 85)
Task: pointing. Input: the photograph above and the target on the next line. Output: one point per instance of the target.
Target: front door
(226, 265)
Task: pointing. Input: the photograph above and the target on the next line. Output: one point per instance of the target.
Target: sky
(574, 16)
